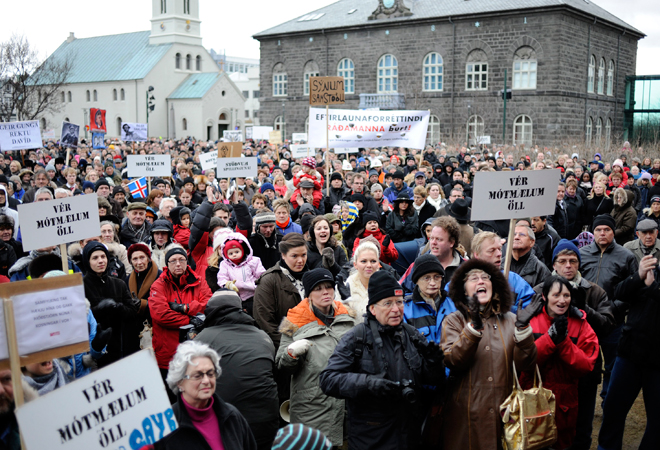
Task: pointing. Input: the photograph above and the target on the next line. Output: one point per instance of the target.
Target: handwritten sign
(299, 137)
(237, 167)
(54, 222)
(230, 149)
(300, 151)
(208, 160)
(134, 132)
(511, 195)
(109, 410)
(149, 166)
(232, 135)
(20, 135)
(275, 137)
(326, 91)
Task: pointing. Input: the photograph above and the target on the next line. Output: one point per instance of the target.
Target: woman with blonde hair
(354, 287)
(154, 198)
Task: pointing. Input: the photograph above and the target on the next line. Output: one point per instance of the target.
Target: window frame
(601, 77)
(591, 75)
(588, 131)
(383, 79)
(348, 73)
(306, 76)
(438, 76)
(433, 131)
(522, 127)
(608, 133)
(610, 79)
(481, 74)
(282, 83)
(530, 73)
(474, 122)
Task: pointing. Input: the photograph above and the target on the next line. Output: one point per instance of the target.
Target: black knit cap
(336, 176)
(314, 277)
(398, 174)
(175, 251)
(368, 216)
(383, 285)
(426, 264)
(101, 182)
(605, 219)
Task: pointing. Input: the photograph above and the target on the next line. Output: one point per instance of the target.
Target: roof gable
(195, 86)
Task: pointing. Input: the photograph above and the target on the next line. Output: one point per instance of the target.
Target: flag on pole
(138, 188)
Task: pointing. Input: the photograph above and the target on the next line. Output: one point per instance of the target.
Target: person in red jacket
(388, 252)
(180, 218)
(177, 296)
(567, 349)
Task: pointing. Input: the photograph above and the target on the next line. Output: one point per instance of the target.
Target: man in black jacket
(546, 239)
(266, 239)
(338, 191)
(559, 220)
(523, 261)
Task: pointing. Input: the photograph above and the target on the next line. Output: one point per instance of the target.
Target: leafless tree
(29, 86)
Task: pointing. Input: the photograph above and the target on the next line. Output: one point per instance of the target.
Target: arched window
(198, 63)
(522, 131)
(346, 69)
(279, 81)
(601, 76)
(222, 116)
(590, 125)
(119, 126)
(186, 6)
(388, 74)
(114, 94)
(63, 97)
(188, 62)
(96, 96)
(279, 124)
(163, 6)
(524, 68)
(475, 129)
(476, 71)
(310, 70)
(591, 74)
(433, 132)
(177, 61)
(433, 72)
(122, 96)
(68, 96)
(87, 96)
(610, 78)
(599, 131)
(608, 133)
(184, 124)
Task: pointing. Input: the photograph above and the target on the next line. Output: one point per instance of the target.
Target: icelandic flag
(138, 187)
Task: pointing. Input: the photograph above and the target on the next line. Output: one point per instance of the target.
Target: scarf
(418, 208)
(575, 282)
(326, 319)
(144, 279)
(436, 203)
(140, 234)
(353, 214)
(294, 277)
(283, 225)
(50, 382)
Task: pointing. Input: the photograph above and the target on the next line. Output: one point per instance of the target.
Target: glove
(298, 348)
(89, 363)
(231, 285)
(196, 322)
(475, 316)
(559, 330)
(381, 387)
(578, 298)
(386, 242)
(105, 306)
(177, 307)
(575, 312)
(428, 349)
(524, 315)
(101, 339)
(328, 257)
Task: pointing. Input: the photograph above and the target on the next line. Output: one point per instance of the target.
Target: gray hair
(184, 355)
(168, 199)
(530, 232)
(43, 190)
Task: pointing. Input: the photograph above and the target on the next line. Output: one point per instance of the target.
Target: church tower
(175, 21)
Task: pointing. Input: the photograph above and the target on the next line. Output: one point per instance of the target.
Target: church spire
(175, 21)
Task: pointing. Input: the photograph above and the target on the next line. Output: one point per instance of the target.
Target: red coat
(317, 197)
(166, 323)
(387, 255)
(317, 179)
(181, 235)
(561, 368)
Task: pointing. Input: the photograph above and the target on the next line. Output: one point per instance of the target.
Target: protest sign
(109, 410)
(300, 151)
(261, 133)
(275, 137)
(208, 160)
(237, 167)
(54, 222)
(69, 136)
(339, 151)
(232, 135)
(97, 120)
(20, 135)
(349, 128)
(326, 91)
(97, 140)
(485, 140)
(248, 133)
(299, 137)
(230, 149)
(149, 166)
(514, 194)
(48, 134)
(133, 132)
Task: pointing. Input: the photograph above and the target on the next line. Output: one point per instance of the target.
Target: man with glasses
(177, 297)
(379, 367)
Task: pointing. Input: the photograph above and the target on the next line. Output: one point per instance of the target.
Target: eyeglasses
(475, 278)
(429, 278)
(573, 261)
(388, 304)
(176, 262)
(199, 376)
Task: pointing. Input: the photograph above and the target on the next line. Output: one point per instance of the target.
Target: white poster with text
(20, 135)
(237, 167)
(149, 166)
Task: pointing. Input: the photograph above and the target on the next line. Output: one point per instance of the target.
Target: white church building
(192, 96)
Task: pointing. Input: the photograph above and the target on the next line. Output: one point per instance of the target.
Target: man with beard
(265, 240)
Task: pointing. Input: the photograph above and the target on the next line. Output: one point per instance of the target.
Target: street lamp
(151, 105)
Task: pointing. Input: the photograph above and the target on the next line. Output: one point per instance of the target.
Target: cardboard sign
(69, 135)
(208, 161)
(261, 133)
(149, 165)
(134, 132)
(301, 151)
(237, 167)
(349, 128)
(20, 135)
(54, 222)
(339, 151)
(230, 149)
(97, 120)
(515, 194)
(275, 137)
(326, 91)
(232, 135)
(110, 410)
(299, 137)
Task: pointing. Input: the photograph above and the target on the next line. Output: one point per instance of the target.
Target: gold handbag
(528, 416)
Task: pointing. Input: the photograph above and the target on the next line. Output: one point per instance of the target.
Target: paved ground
(635, 424)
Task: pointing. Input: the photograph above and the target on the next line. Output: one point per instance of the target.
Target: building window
(279, 81)
(433, 133)
(184, 124)
(119, 126)
(346, 69)
(433, 72)
(177, 61)
(255, 94)
(388, 74)
(186, 6)
(96, 96)
(247, 113)
(198, 63)
(188, 62)
(592, 74)
(63, 97)
(599, 131)
(608, 133)
(522, 131)
(610, 78)
(524, 68)
(590, 124)
(475, 129)
(231, 68)
(476, 71)
(310, 70)
(114, 94)
(122, 95)
(68, 95)
(246, 94)
(163, 6)
(87, 96)
(601, 76)
(255, 113)
(279, 124)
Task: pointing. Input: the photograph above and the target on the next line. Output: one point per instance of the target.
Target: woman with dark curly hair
(481, 341)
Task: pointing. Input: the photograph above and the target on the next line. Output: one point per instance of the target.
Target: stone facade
(561, 41)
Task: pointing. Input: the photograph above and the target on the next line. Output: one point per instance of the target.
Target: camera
(407, 391)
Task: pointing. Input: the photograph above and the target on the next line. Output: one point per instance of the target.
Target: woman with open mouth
(323, 250)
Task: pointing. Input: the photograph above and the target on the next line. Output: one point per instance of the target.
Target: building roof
(117, 57)
(195, 85)
(339, 15)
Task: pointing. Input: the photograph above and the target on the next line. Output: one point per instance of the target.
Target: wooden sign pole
(327, 153)
(65, 259)
(68, 155)
(509, 247)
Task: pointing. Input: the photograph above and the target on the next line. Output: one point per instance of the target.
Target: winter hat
(565, 244)
(264, 217)
(346, 165)
(376, 187)
(188, 180)
(368, 216)
(314, 277)
(90, 248)
(585, 238)
(330, 217)
(618, 162)
(336, 176)
(645, 176)
(654, 199)
(359, 198)
(266, 186)
(162, 225)
(138, 247)
(306, 208)
(87, 185)
(426, 264)
(137, 205)
(306, 222)
(177, 213)
(403, 197)
(604, 219)
(232, 244)
(101, 182)
(398, 174)
(177, 250)
(300, 437)
(309, 161)
(44, 264)
(383, 285)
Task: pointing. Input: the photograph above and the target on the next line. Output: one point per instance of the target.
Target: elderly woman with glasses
(205, 420)
(481, 341)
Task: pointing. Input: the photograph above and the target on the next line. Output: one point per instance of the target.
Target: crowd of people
(352, 295)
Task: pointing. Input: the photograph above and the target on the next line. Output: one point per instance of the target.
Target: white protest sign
(209, 160)
(149, 166)
(339, 151)
(300, 151)
(261, 133)
(514, 194)
(232, 135)
(485, 140)
(48, 134)
(248, 133)
(123, 406)
(299, 137)
(237, 167)
(54, 222)
(349, 128)
(134, 132)
(20, 135)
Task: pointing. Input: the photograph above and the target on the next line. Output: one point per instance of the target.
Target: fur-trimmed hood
(502, 297)
(75, 251)
(622, 198)
(302, 315)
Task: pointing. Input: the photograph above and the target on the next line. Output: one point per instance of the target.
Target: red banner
(97, 120)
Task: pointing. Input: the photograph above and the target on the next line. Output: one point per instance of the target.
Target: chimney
(71, 37)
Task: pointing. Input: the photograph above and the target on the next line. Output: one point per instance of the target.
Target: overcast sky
(229, 25)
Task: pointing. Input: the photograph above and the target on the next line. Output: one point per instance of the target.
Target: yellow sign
(275, 137)
(230, 149)
(326, 91)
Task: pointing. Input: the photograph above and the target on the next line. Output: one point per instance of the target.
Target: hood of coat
(502, 298)
(623, 198)
(302, 314)
(6, 203)
(225, 307)
(247, 250)
(75, 250)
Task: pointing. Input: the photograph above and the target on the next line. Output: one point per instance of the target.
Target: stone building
(565, 63)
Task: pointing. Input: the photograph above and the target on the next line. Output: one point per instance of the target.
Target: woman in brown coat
(481, 341)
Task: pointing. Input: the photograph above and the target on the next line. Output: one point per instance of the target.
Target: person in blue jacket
(285, 224)
(20, 270)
